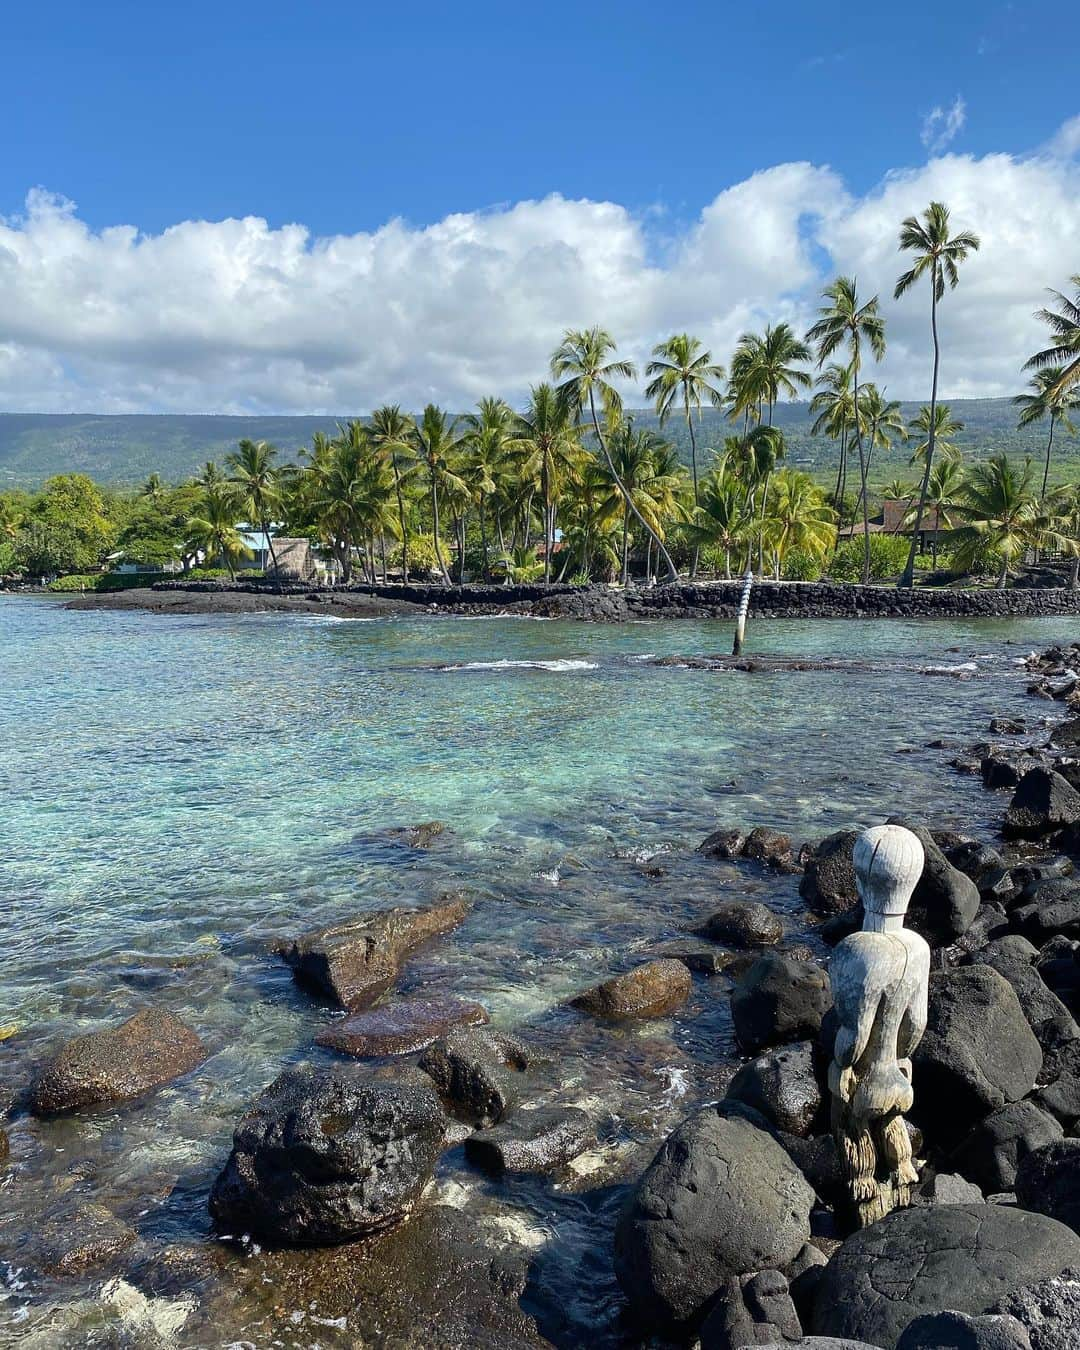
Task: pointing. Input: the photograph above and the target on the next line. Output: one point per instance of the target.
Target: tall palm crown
(843, 320)
(585, 364)
(255, 478)
(937, 256)
(1048, 399)
(547, 434)
(681, 367)
(390, 430)
(1064, 325)
(944, 427)
(437, 442)
(765, 368)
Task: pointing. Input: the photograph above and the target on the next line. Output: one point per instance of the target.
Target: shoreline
(711, 600)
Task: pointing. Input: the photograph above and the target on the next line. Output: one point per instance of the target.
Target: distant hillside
(123, 450)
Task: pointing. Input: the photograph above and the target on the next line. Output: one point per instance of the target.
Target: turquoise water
(180, 790)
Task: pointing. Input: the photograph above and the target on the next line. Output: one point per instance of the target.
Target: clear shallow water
(179, 790)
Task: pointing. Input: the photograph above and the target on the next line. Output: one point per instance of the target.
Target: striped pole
(744, 609)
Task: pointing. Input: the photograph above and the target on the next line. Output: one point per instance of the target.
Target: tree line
(569, 488)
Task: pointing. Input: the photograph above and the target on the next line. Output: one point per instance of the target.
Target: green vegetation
(575, 487)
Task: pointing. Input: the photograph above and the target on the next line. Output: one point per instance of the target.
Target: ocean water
(179, 791)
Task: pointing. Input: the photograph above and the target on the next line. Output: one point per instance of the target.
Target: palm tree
(1065, 509)
(1002, 513)
(881, 420)
(390, 431)
(844, 320)
(632, 475)
(255, 480)
(938, 257)
(718, 519)
(214, 532)
(352, 497)
(942, 495)
(1064, 328)
(581, 362)
(944, 428)
(152, 488)
(547, 434)
(681, 367)
(799, 517)
(1047, 400)
(438, 445)
(835, 409)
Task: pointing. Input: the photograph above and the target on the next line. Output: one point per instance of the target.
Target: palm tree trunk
(673, 571)
(547, 519)
(401, 522)
(862, 466)
(435, 530)
(693, 470)
(273, 556)
(1074, 575)
(1003, 575)
(625, 545)
(1049, 449)
(908, 578)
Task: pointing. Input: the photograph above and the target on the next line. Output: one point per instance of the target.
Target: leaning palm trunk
(673, 572)
(693, 469)
(908, 578)
(1049, 451)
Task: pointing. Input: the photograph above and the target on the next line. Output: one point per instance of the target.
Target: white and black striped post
(744, 610)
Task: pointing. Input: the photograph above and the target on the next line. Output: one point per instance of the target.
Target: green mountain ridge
(126, 448)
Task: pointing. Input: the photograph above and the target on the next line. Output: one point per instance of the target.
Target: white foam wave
(558, 666)
(964, 668)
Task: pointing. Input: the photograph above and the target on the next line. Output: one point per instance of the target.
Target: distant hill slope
(126, 449)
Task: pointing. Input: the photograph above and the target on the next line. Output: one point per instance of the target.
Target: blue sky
(342, 115)
(319, 207)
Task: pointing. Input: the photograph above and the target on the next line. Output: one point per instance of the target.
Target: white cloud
(1065, 144)
(941, 126)
(235, 316)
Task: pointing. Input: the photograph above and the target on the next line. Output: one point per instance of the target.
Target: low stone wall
(720, 600)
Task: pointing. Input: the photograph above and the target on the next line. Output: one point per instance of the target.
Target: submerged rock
(352, 963)
(476, 1072)
(963, 1257)
(745, 923)
(328, 1156)
(399, 1028)
(769, 846)
(79, 1237)
(702, 958)
(779, 1000)
(542, 1140)
(650, 990)
(724, 843)
(104, 1067)
(721, 1199)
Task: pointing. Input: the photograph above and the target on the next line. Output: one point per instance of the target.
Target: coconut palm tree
(682, 369)
(835, 414)
(1002, 515)
(943, 493)
(1065, 509)
(213, 532)
(632, 475)
(945, 427)
(547, 434)
(843, 320)
(438, 445)
(881, 420)
(583, 363)
(255, 480)
(937, 257)
(1064, 325)
(390, 432)
(152, 488)
(718, 520)
(799, 517)
(352, 498)
(1048, 400)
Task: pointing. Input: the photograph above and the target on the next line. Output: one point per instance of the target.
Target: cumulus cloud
(236, 316)
(941, 126)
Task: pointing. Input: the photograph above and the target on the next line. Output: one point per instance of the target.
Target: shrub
(77, 581)
(422, 557)
(802, 566)
(888, 557)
